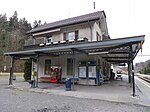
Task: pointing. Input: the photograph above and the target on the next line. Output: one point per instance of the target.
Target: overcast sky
(124, 17)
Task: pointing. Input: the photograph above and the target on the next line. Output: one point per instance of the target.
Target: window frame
(70, 65)
(49, 38)
(72, 36)
(46, 70)
(98, 36)
(75, 36)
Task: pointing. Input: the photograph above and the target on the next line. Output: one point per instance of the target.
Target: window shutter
(65, 35)
(97, 36)
(76, 34)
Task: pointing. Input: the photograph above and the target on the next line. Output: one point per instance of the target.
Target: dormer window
(71, 35)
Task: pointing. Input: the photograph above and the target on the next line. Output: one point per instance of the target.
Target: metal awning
(113, 50)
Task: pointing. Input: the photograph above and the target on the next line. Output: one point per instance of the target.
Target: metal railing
(34, 43)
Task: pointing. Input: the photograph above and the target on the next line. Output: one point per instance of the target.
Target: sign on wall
(82, 71)
(92, 71)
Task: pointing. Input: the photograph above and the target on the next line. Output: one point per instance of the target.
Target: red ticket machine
(55, 74)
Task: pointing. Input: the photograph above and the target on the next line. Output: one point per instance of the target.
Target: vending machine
(55, 74)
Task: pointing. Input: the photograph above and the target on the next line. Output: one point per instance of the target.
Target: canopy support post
(37, 75)
(11, 70)
(133, 80)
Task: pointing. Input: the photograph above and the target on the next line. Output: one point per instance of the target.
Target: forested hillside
(12, 36)
(146, 68)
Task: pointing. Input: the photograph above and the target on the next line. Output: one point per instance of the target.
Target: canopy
(113, 50)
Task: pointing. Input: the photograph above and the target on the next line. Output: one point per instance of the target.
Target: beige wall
(62, 61)
(57, 36)
(96, 29)
(103, 25)
(86, 30)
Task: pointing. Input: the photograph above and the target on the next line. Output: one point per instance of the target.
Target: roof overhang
(113, 50)
(69, 21)
(46, 32)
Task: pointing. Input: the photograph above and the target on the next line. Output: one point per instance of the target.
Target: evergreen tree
(12, 36)
(37, 23)
(27, 70)
(13, 22)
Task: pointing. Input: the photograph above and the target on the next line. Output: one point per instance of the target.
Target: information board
(82, 71)
(92, 71)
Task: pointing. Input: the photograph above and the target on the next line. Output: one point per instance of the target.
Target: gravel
(12, 100)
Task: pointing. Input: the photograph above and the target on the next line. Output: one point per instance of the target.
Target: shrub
(27, 70)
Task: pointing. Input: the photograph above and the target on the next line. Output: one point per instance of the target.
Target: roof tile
(69, 21)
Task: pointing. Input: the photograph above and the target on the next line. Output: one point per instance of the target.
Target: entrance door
(47, 67)
(70, 66)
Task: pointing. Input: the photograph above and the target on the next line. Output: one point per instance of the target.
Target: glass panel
(98, 36)
(92, 71)
(47, 67)
(49, 39)
(71, 36)
(70, 67)
(82, 72)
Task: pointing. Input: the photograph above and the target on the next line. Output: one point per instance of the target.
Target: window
(71, 35)
(47, 67)
(70, 69)
(49, 39)
(98, 36)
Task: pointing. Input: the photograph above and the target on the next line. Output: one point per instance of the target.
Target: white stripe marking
(143, 82)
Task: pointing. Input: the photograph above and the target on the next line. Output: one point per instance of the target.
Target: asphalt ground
(15, 100)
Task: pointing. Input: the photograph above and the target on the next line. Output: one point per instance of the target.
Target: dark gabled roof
(69, 21)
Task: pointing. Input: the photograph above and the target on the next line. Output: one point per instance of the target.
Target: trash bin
(32, 82)
(68, 84)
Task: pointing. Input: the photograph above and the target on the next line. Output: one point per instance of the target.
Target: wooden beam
(11, 70)
(115, 57)
(22, 55)
(43, 53)
(117, 61)
(37, 75)
(119, 52)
